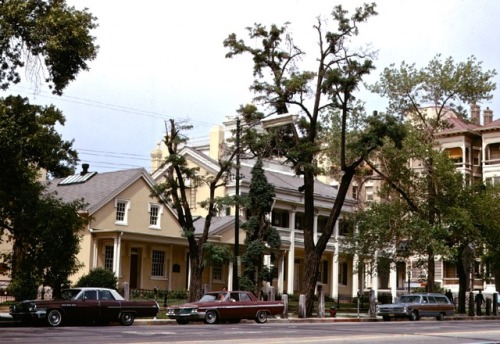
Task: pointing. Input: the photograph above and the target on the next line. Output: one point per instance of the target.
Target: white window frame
(109, 262)
(123, 222)
(214, 271)
(153, 264)
(159, 214)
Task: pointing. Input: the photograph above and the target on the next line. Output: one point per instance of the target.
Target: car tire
(127, 318)
(414, 315)
(182, 321)
(261, 317)
(386, 318)
(211, 317)
(440, 317)
(54, 317)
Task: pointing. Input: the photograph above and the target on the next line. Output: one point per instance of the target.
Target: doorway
(135, 267)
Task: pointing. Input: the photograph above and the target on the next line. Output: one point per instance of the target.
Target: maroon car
(231, 306)
(96, 305)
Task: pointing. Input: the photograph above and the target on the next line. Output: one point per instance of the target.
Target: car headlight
(405, 309)
(32, 307)
(194, 311)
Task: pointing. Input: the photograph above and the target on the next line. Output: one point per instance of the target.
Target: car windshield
(212, 297)
(409, 299)
(69, 294)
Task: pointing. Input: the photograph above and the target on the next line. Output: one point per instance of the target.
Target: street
(431, 331)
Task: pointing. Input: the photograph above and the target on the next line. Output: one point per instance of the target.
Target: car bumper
(39, 314)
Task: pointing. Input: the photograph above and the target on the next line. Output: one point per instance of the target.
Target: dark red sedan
(231, 306)
(96, 305)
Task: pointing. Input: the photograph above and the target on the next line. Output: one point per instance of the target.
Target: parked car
(415, 306)
(231, 306)
(97, 305)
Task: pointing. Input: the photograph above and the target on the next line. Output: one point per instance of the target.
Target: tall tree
(261, 238)
(174, 190)
(427, 97)
(280, 85)
(48, 38)
(29, 142)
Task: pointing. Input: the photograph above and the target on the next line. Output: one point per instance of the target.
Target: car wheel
(261, 317)
(211, 317)
(414, 315)
(182, 321)
(386, 318)
(440, 317)
(54, 318)
(126, 318)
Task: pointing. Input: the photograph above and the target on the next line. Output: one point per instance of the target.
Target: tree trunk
(195, 287)
(311, 277)
(431, 270)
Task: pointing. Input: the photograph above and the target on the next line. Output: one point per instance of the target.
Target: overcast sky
(163, 59)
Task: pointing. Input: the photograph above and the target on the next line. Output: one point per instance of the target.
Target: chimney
(474, 113)
(85, 169)
(487, 116)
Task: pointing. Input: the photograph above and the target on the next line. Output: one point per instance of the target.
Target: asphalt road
(426, 331)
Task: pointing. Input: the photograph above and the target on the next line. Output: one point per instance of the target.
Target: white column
(94, 253)
(116, 254)
(334, 289)
(355, 275)
(281, 267)
(393, 277)
(230, 277)
(315, 227)
(291, 253)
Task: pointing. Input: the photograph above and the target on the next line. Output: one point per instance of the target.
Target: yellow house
(338, 275)
(130, 232)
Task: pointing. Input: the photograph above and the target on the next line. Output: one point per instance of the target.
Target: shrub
(98, 277)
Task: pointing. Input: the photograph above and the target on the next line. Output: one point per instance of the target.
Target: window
(343, 273)
(355, 191)
(369, 193)
(323, 272)
(158, 263)
(108, 257)
(155, 211)
(122, 207)
(345, 227)
(217, 272)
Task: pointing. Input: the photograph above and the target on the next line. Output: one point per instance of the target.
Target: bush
(98, 277)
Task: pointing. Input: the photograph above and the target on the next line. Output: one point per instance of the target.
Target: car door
(109, 308)
(83, 309)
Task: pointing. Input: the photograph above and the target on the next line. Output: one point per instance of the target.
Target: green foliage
(216, 254)
(40, 34)
(43, 230)
(432, 200)
(280, 86)
(98, 277)
(261, 237)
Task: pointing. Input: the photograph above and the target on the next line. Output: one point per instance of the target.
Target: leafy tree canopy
(44, 35)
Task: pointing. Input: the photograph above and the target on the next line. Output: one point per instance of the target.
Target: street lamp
(237, 209)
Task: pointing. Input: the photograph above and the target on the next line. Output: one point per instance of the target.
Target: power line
(102, 105)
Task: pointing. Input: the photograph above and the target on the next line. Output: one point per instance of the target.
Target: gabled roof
(99, 189)
(494, 125)
(458, 126)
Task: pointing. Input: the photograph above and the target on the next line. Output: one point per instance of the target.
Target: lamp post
(237, 210)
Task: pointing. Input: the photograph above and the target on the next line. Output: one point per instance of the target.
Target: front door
(134, 268)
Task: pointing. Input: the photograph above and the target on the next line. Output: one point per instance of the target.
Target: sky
(163, 59)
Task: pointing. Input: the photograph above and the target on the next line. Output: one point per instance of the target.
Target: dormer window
(122, 207)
